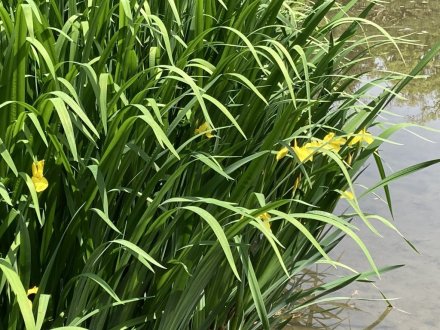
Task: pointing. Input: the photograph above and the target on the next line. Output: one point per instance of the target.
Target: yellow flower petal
(38, 168)
(266, 224)
(40, 183)
(355, 140)
(303, 153)
(313, 144)
(332, 147)
(265, 217)
(333, 143)
(33, 290)
(368, 138)
(204, 128)
(329, 136)
(282, 153)
(34, 169)
(347, 195)
(362, 136)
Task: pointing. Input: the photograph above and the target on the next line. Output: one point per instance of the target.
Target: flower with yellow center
(204, 128)
(40, 182)
(305, 153)
(362, 136)
(265, 217)
(333, 143)
(282, 153)
(347, 195)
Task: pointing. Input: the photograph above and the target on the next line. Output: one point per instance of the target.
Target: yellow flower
(33, 290)
(333, 143)
(265, 217)
(362, 136)
(282, 153)
(313, 144)
(347, 195)
(304, 153)
(40, 182)
(204, 128)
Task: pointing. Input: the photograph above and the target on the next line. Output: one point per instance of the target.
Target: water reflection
(417, 23)
(333, 314)
(415, 198)
(320, 316)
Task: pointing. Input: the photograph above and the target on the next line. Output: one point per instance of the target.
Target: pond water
(416, 198)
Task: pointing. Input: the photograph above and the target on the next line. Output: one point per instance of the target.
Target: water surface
(416, 198)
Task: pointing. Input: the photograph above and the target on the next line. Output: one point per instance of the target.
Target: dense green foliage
(159, 123)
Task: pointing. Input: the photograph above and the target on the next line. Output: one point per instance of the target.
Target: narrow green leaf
(219, 233)
(34, 195)
(20, 292)
(7, 157)
(106, 219)
(63, 114)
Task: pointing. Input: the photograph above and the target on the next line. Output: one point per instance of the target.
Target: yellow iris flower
(362, 136)
(40, 182)
(305, 153)
(204, 128)
(333, 143)
(265, 217)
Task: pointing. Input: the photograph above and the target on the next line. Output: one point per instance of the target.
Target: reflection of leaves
(319, 316)
(379, 319)
(427, 113)
(326, 316)
(403, 18)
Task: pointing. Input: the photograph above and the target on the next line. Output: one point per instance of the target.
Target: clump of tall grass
(173, 164)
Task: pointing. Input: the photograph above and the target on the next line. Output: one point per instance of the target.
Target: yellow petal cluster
(265, 217)
(362, 136)
(332, 142)
(204, 128)
(305, 153)
(40, 182)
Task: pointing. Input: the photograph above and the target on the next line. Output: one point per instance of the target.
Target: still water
(416, 198)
